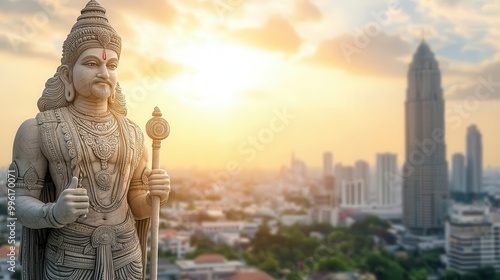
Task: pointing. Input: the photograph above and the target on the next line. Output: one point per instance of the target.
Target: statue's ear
(69, 90)
(65, 75)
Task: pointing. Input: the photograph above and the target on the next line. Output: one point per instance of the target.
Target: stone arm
(143, 185)
(31, 166)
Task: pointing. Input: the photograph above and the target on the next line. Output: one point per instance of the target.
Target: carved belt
(102, 249)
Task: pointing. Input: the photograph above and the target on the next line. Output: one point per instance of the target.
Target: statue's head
(91, 33)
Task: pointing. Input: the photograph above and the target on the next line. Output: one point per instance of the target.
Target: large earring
(70, 94)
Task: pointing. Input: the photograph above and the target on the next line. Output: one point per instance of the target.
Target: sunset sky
(251, 81)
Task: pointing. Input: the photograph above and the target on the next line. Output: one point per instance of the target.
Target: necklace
(102, 137)
(99, 118)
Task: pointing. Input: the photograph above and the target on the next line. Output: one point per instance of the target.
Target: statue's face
(95, 74)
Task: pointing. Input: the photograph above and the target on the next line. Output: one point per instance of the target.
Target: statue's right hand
(72, 203)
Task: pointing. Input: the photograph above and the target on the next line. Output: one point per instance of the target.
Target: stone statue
(83, 190)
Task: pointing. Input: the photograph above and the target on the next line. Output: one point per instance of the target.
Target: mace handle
(157, 129)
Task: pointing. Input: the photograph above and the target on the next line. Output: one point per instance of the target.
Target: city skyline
(247, 84)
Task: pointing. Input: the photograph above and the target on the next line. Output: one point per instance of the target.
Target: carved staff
(157, 129)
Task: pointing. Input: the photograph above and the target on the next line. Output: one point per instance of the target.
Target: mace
(157, 129)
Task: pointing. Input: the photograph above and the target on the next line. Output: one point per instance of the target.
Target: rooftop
(251, 275)
(210, 258)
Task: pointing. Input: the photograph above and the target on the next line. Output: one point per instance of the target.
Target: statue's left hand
(159, 183)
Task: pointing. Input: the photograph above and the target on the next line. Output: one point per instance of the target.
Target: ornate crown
(91, 30)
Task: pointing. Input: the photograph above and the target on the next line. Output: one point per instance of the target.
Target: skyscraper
(338, 172)
(325, 208)
(425, 171)
(474, 160)
(362, 173)
(387, 171)
(458, 173)
(328, 179)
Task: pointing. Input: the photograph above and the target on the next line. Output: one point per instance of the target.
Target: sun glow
(219, 73)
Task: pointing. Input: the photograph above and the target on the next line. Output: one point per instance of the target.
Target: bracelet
(138, 185)
(48, 214)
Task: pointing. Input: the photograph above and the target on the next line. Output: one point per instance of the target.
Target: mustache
(106, 81)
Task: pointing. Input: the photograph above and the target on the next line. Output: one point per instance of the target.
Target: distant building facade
(362, 172)
(353, 193)
(473, 238)
(209, 267)
(387, 171)
(458, 178)
(325, 215)
(325, 208)
(474, 160)
(214, 230)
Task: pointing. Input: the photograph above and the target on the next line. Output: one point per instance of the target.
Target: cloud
(306, 11)
(277, 34)
(483, 83)
(361, 54)
(28, 28)
(23, 7)
(162, 12)
(466, 17)
(14, 44)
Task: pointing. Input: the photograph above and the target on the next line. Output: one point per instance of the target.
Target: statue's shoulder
(27, 145)
(28, 130)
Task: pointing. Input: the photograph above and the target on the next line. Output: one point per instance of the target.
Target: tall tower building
(338, 173)
(474, 160)
(387, 171)
(425, 173)
(325, 208)
(362, 173)
(328, 179)
(458, 173)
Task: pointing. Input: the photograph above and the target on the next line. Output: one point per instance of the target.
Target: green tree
(418, 274)
(382, 267)
(485, 273)
(322, 228)
(451, 275)
(333, 264)
(470, 276)
(369, 226)
(269, 263)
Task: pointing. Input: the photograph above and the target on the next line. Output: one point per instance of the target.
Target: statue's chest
(104, 154)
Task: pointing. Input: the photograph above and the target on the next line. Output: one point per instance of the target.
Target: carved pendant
(103, 180)
(103, 146)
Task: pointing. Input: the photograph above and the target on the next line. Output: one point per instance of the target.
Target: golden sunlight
(218, 73)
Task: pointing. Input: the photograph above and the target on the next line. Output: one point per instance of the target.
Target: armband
(30, 180)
